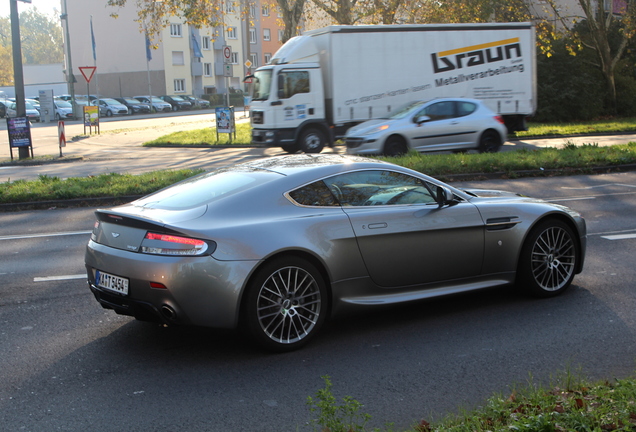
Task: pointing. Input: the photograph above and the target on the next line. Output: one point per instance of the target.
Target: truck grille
(257, 117)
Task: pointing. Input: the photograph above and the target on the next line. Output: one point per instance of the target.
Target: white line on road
(28, 236)
(59, 278)
(619, 237)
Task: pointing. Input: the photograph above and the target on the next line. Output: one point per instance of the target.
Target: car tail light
(168, 244)
(500, 119)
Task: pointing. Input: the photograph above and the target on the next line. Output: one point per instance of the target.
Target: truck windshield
(262, 84)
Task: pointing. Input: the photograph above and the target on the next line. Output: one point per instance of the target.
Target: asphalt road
(69, 365)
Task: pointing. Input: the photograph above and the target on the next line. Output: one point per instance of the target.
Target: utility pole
(70, 78)
(18, 77)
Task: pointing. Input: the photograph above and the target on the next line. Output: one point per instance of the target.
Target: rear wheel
(312, 141)
(395, 146)
(286, 304)
(489, 142)
(548, 259)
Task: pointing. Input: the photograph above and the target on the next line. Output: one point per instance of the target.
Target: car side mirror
(422, 119)
(444, 196)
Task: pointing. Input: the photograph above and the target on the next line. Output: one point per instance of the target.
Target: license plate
(111, 282)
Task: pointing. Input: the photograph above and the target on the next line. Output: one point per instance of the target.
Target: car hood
(498, 195)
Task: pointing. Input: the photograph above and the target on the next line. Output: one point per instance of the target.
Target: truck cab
(287, 109)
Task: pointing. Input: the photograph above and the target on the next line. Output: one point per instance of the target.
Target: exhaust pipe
(168, 313)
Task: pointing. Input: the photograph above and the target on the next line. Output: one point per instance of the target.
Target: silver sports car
(278, 245)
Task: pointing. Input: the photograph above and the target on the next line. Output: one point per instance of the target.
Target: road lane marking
(619, 236)
(59, 278)
(29, 236)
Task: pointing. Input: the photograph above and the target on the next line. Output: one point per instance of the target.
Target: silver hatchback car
(425, 126)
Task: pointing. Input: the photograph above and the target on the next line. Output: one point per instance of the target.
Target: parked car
(133, 105)
(176, 102)
(158, 104)
(424, 126)
(63, 109)
(278, 244)
(110, 107)
(3, 108)
(31, 112)
(197, 103)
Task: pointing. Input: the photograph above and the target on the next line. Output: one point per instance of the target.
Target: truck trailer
(325, 81)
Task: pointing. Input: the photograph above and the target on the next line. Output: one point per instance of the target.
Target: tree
(153, 15)
(6, 66)
(291, 13)
(341, 11)
(596, 35)
(42, 39)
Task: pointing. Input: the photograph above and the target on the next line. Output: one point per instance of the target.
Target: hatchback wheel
(548, 259)
(286, 304)
(109, 113)
(395, 146)
(489, 142)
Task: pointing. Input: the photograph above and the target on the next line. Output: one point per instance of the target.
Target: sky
(44, 6)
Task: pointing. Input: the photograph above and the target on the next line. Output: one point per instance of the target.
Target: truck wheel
(489, 142)
(291, 148)
(394, 146)
(312, 141)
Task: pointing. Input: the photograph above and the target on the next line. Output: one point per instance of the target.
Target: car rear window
(206, 188)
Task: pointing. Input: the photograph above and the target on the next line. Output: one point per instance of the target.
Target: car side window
(377, 187)
(293, 83)
(314, 194)
(439, 111)
(465, 108)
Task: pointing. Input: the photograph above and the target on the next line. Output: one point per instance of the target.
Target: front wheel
(489, 142)
(312, 141)
(286, 304)
(109, 113)
(548, 259)
(395, 146)
(290, 148)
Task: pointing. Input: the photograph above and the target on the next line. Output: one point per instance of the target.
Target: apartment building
(186, 60)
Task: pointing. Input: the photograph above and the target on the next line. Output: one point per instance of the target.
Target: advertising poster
(91, 116)
(19, 130)
(224, 123)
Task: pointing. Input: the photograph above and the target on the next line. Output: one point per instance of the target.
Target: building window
(281, 35)
(252, 10)
(252, 35)
(265, 10)
(231, 32)
(234, 58)
(175, 30)
(179, 85)
(177, 58)
(229, 6)
(254, 59)
(266, 35)
(207, 69)
(268, 58)
(205, 42)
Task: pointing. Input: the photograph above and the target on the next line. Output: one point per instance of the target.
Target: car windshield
(177, 98)
(132, 101)
(108, 101)
(29, 105)
(405, 110)
(157, 100)
(63, 104)
(205, 189)
(262, 84)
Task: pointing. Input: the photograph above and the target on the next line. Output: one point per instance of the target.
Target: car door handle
(377, 225)
(276, 103)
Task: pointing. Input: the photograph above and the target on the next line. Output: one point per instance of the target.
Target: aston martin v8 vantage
(277, 245)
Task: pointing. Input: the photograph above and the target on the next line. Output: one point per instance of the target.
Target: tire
(549, 259)
(312, 141)
(395, 146)
(109, 113)
(291, 148)
(286, 304)
(174, 108)
(489, 142)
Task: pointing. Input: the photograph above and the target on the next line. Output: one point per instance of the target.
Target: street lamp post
(70, 78)
(18, 77)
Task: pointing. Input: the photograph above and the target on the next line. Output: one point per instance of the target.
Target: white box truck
(321, 83)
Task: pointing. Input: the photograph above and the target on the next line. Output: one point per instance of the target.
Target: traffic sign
(248, 64)
(227, 70)
(87, 72)
(227, 53)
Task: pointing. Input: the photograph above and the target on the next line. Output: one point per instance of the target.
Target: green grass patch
(571, 404)
(47, 188)
(204, 137)
(587, 127)
(520, 163)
